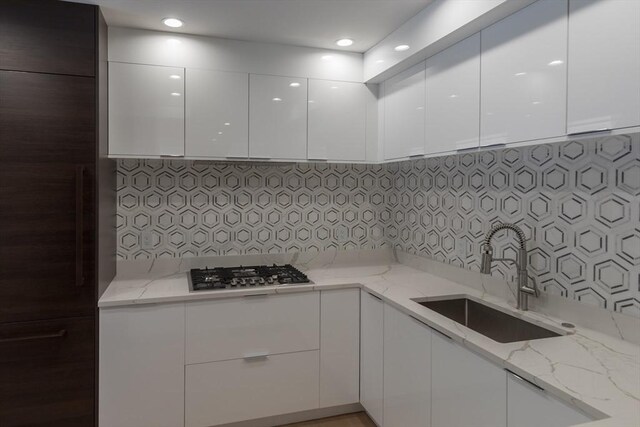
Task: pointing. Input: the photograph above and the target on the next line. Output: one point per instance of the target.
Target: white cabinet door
(407, 370)
(524, 75)
(604, 69)
(146, 110)
(339, 347)
(453, 97)
(243, 389)
(371, 358)
(277, 117)
(337, 120)
(404, 99)
(466, 390)
(217, 114)
(142, 366)
(528, 406)
(260, 324)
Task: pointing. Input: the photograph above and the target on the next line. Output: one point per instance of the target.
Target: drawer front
(244, 389)
(232, 329)
(47, 373)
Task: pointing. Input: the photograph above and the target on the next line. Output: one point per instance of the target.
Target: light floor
(359, 419)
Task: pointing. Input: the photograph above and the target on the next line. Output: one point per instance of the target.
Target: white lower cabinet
(371, 355)
(529, 406)
(339, 347)
(466, 390)
(234, 328)
(141, 370)
(407, 371)
(244, 389)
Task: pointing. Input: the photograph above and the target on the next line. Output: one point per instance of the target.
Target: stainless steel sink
(492, 323)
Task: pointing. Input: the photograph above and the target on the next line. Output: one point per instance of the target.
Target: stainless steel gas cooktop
(208, 279)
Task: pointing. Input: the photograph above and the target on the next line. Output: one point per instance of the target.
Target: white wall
(188, 51)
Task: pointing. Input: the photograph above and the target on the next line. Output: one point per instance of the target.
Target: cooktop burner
(207, 279)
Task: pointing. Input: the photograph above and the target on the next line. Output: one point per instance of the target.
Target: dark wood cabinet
(47, 371)
(47, 118)
(47, 210)
(57, 37)
(53, 171)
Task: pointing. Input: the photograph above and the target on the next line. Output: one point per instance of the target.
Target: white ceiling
(315, 23)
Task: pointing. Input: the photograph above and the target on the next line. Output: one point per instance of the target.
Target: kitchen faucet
(524, 290)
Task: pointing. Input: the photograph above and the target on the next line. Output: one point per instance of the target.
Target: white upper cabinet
(524, 75)
(453, 97)
(604, 67)
(277, 117)
(466, 390)
(407, 370)
(146, 110)
(337, 120)
(404, 101)
(371, 355)
(528, 406)
(217, 114)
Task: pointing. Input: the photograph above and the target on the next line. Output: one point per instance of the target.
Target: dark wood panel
(47, 130)
(47, 371)
(47, 118)
(47, 36)
(38, 220)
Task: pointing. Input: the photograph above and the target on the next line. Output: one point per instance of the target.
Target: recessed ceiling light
(522, 73)
(277, 99)
(227, 124)
(401, 48)
(344, 42)
(175, 77)
(172, 22)
(294, 84)
(175, 94)
(556, 62)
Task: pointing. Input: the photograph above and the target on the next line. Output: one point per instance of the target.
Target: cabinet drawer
(47, 373)
(243, 389)
(232, 329)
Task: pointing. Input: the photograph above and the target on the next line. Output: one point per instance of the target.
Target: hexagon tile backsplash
(577, 201)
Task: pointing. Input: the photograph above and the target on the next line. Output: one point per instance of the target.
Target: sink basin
(488, 321)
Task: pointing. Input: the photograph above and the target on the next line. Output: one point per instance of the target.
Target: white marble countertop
(598, 373)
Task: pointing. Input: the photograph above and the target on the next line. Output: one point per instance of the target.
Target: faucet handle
(536, 292)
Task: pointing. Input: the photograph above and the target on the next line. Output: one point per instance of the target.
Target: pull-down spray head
(487, 258)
